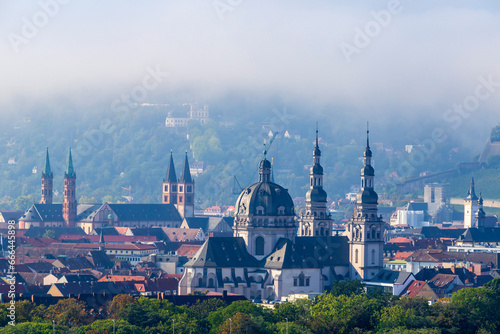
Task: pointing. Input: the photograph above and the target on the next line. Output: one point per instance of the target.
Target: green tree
(69, 312)
(49, 234)
(348, 288)
(203, 308)
(118, 303)
(221, 315)
(239, 323)
(23, 203)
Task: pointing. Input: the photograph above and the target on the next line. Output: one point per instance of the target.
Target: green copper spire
(47, 172)
(70, 172)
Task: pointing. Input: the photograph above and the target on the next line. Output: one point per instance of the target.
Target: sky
(401, 56)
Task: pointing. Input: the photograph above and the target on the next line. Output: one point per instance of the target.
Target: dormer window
(281, 210)
(260, 210)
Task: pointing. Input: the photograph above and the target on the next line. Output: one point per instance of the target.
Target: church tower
(69, 202)
(470, 207)
(47, 178)
(170, 184)
(185, 192)
(480, 214)
(365, 229)
(316, 220)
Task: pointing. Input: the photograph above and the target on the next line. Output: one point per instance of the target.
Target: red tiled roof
(402, 255)
(110, 238)
(121, 278)
(442, 280)
(400, 240)
(188, 250)
(181, 234)
(414, 288)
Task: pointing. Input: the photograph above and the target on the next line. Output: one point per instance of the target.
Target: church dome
(265, 199)
(316, 195)
(265, 164)
(317, 169)
(367, 196)
(368, 170)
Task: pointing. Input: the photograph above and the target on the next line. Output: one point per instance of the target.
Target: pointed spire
(71, 171)
(317, 151)
(47, 171)
(472, 193)
(368, 152)
(186, 173)
(171, 177)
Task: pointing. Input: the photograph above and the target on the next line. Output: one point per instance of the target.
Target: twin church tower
(69, 209)
(364, 230)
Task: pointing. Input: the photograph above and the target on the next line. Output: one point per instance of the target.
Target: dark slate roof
(220, 252)
(75, 278)
(488, 259)
(43, 212)
(145, 212)
(38, 232)
(198, 222)
(86, 212)
(269, 195)
(40, 267)
(285, 255)
(433, 232)
(486, 234)
(327, 251)
(391, 277)
(109, 230)
(417, 206)
(11, 215)
(99, 259)
(150, 231)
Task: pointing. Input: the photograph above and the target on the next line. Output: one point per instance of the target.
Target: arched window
(356, 253)
(373, 256)
(259, 246)
(200, 281)
(210, 282)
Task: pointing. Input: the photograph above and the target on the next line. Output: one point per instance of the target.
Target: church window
(181, 188)
(373, 256)
(294, 282)
(166, 188)
(165, 198)
(281, 210)
(356, 254)
(200, 281)
(189, 189)
(259, 246)
(210, 282)
(260, 210)
(307, 281)
(180, 199)
(188, 199)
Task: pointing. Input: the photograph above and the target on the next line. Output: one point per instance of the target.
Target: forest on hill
(347, 308)
(113, 151)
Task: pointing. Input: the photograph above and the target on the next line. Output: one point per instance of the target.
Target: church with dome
(274, 253)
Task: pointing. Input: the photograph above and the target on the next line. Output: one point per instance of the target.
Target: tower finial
(317, 144)
(367, 135)
(265, 150)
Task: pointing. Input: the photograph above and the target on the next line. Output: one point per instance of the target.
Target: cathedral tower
(47, 178)
(316, 220)
(69, 202)
(470, 207)
(480, 214)
(365, 229)
(170, 184)
(185, 192)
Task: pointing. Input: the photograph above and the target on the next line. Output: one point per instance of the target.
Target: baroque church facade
(274, 254)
